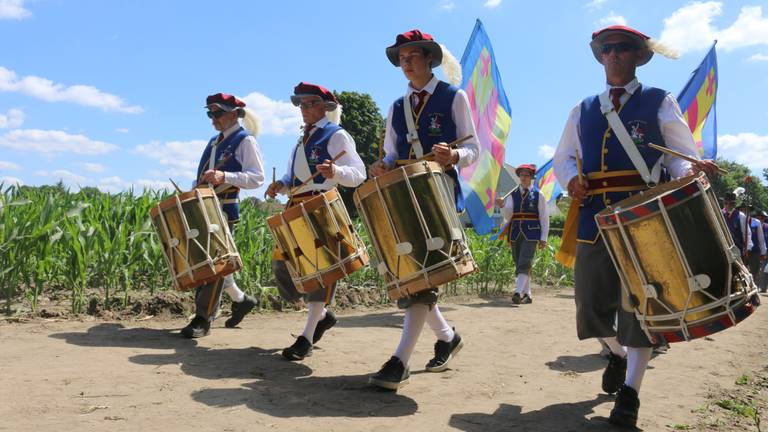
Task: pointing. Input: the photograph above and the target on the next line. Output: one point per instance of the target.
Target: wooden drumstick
(178, 189)
(451, 145)
(218, 165)
(338, 156)
(681, 156)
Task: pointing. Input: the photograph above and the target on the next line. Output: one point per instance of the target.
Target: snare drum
(680, 270)
(317, 240)
(195, 238)
(411, 219)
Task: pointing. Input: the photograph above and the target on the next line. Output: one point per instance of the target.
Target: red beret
(529, 167)
(307, 89)
(224, 101)
(415, 38)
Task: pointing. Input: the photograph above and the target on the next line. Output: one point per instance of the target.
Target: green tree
(740, 176)
(363, 120)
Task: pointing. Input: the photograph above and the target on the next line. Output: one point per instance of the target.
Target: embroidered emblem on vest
(637, 131)
(435, 124)
(314, 155)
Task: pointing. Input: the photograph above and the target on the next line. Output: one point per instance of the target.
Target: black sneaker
(526, 299)
(300, 349)
(624, 412)
(444, 353)
(392, 375)
(516, 298)
(196, 328)
(614, 373)
(240, 310)
(324, 324)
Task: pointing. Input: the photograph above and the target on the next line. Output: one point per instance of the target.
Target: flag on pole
(491, 114)
(547, 182)
(697, 101)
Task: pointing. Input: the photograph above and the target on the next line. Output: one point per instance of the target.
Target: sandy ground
(522, 369)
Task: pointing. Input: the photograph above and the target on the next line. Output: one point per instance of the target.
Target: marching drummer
(231, 161)
(648, 115)
(431, 114)
(737, 223)
(755, 259)
(322, 141)
(528, 227)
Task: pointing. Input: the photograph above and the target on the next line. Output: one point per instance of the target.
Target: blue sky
(111, 93)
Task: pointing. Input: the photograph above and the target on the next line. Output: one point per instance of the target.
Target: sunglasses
(215, 114)
(618, 47)
(307, 105)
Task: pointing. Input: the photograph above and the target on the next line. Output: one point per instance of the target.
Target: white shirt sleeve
(350, 169)
(390, 140)
(677, 136)
(249, 156)
(543, 217)
(761, 239)
(469, 150)
(564, 161)
(745, 229)
(507, 210)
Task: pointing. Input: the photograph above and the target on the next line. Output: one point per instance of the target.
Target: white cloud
(8, 166)
(93, 167)
(13, 9)
(276, 117)
(8, 181)
(690, 28)
(68, 178)
(13, 119)
(492, 3)
(595, 4)
(746, 148)
(50, 142)
(180, 157)
(122, 130)
(115, 184)
(612, 19)
(49, 91)
(447, 5)
(759, 57)
(546, 151)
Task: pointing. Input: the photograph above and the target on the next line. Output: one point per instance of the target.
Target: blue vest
(754, 226)
(603, 153)
(316, 151)
(734, 226)
(434, 125)
(525, 214)
(224, 149)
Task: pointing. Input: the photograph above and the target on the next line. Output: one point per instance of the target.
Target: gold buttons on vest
(605, 183)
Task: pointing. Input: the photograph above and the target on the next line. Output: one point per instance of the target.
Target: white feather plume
(451, 67)
(335, 115)
(251, 122)
(662, 49)
(739, 191)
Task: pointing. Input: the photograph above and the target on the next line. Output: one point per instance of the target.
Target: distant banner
(547, 182)
(697, 101)
(491, 114)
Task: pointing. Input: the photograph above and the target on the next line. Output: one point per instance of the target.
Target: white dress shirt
(508, 210)
(249, 156)
(350, 169)
(674, 129)
(469, 150)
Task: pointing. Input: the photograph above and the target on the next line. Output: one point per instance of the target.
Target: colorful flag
(547, 182)
(491, 114)
(697, 101)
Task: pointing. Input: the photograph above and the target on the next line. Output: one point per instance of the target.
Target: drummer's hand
(577, 189)
(707, 165)
(327, 169)
(542, 244)
(213, 177)
(273, 188)
(499, 203)
(379, 168)
(445, 155)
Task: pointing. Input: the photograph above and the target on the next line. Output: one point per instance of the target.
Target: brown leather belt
(525, 216)
(621, 183)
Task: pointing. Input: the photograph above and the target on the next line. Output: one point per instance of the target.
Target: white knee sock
(231, 288)
(527, 289)
(412, 325)
(637, 363)
(520, 285)
(316, 312)
(439, 326)
(615, 346)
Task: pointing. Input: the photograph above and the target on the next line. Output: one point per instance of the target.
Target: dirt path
(522, 369)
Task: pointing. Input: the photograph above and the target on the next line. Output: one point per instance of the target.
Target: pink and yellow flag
(697, 101)
(491, 114)
(547, 182)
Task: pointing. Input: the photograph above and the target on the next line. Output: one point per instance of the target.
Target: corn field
(56, 242)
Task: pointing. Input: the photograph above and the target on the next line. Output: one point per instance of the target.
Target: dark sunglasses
(618, 47)
(215, 114)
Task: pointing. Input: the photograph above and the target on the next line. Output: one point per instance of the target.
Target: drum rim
(170, 202)
(394, 176)
(638, 200)
(294, 212)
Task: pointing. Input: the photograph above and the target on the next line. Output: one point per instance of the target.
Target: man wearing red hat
(431, 114)
(231, 161)
(528, 227)
(322, 140)
(610, 132)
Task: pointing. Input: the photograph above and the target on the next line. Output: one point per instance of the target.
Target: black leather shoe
(614, 373)
(324, 324)
(240, 310)
(392, 375)
(526, 299)
(624, 412)
(444, 353)
(516, 298)
(300, 349)
(196, 328)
